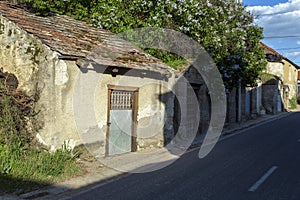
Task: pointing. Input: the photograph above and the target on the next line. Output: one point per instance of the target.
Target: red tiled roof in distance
(269, 50)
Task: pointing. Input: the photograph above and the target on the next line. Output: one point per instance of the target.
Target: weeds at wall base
(29, 169)
(293, 103)
(23, 167)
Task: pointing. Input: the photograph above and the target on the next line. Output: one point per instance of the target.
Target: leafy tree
(224, 28)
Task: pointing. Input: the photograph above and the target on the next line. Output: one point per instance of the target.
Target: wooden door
(122, 115)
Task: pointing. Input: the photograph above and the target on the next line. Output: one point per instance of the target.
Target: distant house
(298, 82)
(63, 60)
(291, 77)
(282, 81)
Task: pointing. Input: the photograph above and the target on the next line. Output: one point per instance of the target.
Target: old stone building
(93, 87)
(290, 77)
(282, 85)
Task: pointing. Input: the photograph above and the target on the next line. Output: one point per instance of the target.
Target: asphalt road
(260, 163)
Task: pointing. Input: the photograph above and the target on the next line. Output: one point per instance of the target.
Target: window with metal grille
(121, 100)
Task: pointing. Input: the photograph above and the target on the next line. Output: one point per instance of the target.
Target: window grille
(121, 100)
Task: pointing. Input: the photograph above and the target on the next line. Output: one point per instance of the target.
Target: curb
(256, 122)
(9, 197)
(228, 132)
(46, 193)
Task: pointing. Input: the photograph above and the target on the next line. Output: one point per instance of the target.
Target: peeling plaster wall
(288, 74)
(39, 71)
(276, 69)
(154, 115)
(21, 54)
(291, 78)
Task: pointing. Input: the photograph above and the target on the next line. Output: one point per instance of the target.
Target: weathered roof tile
(76, 39)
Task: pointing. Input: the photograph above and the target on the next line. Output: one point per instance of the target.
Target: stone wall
(40, 72)
(269, 98)
(196, 106)
(290, 78)
(231, 116)
(275, 68)
(24, 56)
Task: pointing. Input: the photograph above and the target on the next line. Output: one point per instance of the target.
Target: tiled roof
(76, 39)
(269, 50)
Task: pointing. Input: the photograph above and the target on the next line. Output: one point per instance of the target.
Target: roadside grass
(293, 103)
(24, 166)
(27, 169)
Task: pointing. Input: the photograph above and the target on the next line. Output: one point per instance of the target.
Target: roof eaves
(73, 40)
(268, 49)
(295, 65)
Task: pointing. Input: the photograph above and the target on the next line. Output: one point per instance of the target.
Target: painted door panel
(121, 117)
(120, 131)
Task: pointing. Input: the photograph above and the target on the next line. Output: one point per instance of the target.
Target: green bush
(173, 60)
(293, 103)
(224, 28)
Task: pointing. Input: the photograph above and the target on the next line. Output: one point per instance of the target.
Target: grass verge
(23, 166)
(24, 170)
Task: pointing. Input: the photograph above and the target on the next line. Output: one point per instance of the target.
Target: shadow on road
(19, 186)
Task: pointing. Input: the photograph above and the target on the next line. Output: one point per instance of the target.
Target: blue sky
(263, 2)
(281, 22)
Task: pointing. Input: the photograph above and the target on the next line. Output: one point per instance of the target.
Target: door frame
(134, 115)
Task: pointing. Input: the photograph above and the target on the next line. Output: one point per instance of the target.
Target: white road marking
(262, 179)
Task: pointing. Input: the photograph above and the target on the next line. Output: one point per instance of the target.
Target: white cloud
(280, 20)
(291, 54)
(288, 7)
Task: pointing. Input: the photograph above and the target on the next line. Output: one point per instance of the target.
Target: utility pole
(239, 1)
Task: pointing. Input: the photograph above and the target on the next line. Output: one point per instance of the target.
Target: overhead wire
(270, 14)
(288, 48)
(257, 15)
(282, 36)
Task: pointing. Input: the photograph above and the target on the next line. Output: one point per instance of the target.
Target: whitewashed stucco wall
(40, 71)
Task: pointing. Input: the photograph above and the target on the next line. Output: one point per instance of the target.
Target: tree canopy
(224, 28)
